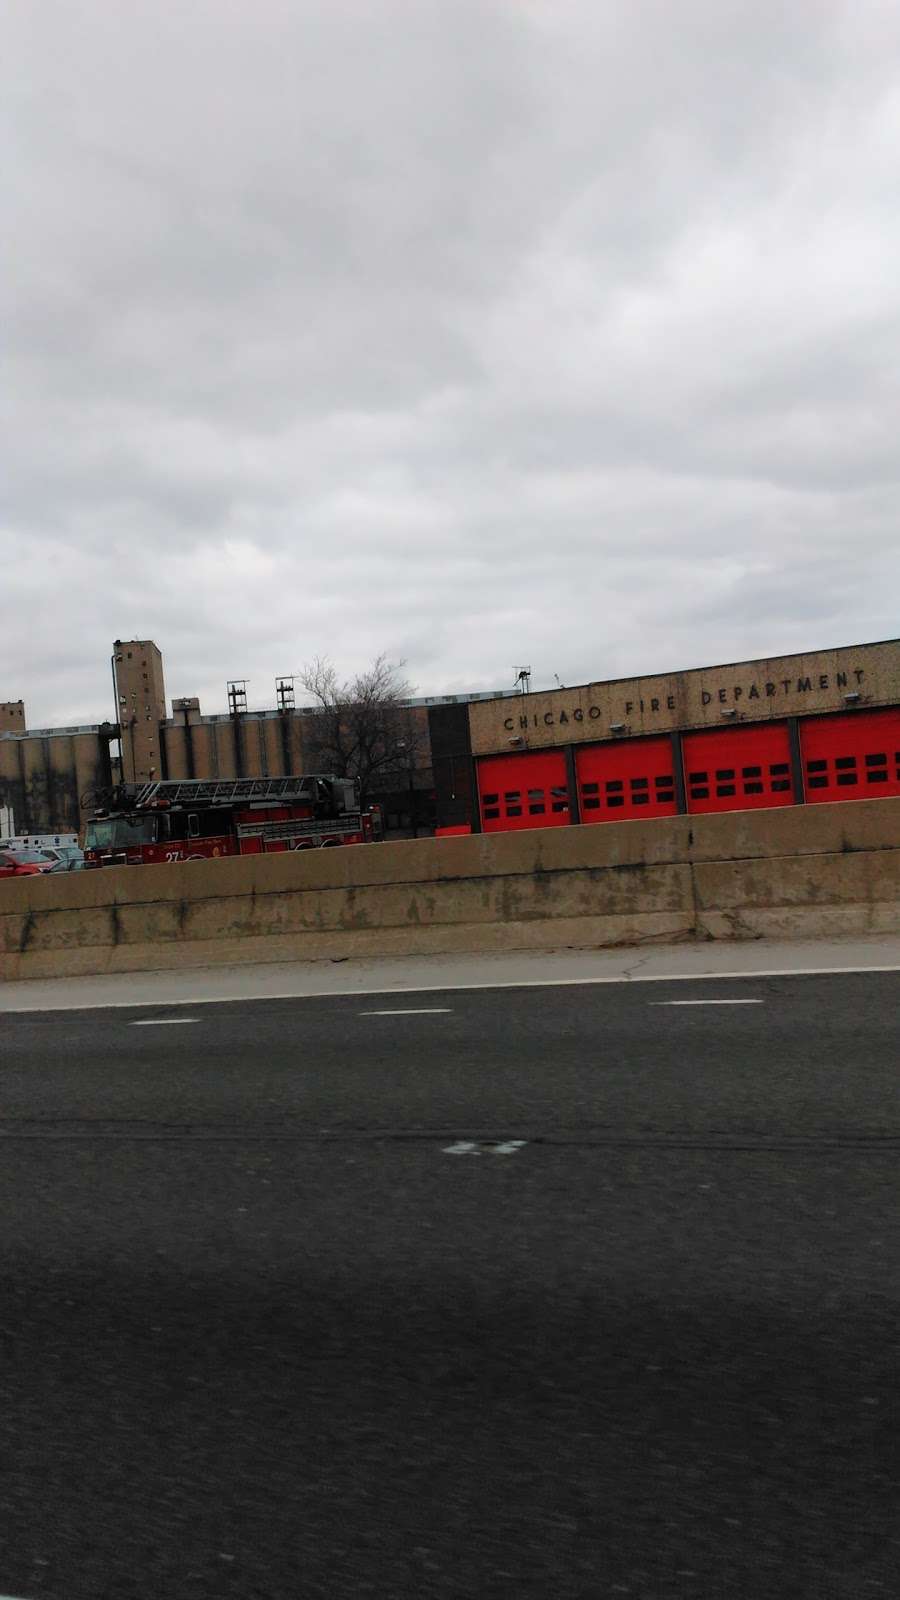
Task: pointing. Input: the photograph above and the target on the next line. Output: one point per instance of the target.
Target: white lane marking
(706, 1002)
(411, 1011)
(448, 988)
(164, 1022)
(469, 1147)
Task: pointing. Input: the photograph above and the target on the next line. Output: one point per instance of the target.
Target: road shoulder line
(621, 978)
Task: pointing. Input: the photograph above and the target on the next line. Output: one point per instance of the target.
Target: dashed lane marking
(706, 1002)
(161, 1022)
(471, 1147)
(411, 1011)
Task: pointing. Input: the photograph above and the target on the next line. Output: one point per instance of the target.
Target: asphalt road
(534, 1292)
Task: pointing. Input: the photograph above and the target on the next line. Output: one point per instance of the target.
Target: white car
(62, 852)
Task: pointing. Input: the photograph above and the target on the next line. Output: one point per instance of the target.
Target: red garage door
(527, 791)
(735, 769)
(854, 757)
(631, 778)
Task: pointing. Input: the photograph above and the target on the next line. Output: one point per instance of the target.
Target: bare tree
(361, 728)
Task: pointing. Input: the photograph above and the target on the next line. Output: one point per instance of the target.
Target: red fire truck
(196, 819)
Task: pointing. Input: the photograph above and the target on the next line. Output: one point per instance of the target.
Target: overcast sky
(489, 333)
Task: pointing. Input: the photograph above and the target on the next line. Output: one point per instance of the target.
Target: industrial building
(50, 776)
(791, 730)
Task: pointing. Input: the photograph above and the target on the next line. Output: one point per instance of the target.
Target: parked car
(61, 852)
(73, 863)
(30, 858)
(12, 865)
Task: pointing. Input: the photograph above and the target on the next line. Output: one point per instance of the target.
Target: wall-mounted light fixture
(617, 727)
(730, 712)
(517, 740)
(853, 698)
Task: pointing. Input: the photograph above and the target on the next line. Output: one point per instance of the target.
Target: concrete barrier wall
(797, 872)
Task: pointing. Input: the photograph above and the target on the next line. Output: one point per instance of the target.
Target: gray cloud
(509, 331)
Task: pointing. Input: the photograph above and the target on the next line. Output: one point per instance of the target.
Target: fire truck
(199, 819)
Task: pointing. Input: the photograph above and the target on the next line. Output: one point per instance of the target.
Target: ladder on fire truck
(229, 792)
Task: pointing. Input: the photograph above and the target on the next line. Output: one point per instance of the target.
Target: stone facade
(745, 691)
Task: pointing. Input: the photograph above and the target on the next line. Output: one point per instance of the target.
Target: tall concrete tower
(12, 716)
(141, 706)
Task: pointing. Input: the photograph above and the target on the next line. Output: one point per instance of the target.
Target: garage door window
(855, 757)
(626, 778)
(523, 791)
(737, 769)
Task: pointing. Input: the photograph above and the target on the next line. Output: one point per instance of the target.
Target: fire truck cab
(200, 819)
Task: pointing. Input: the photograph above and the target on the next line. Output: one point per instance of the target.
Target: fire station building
(806, 729)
